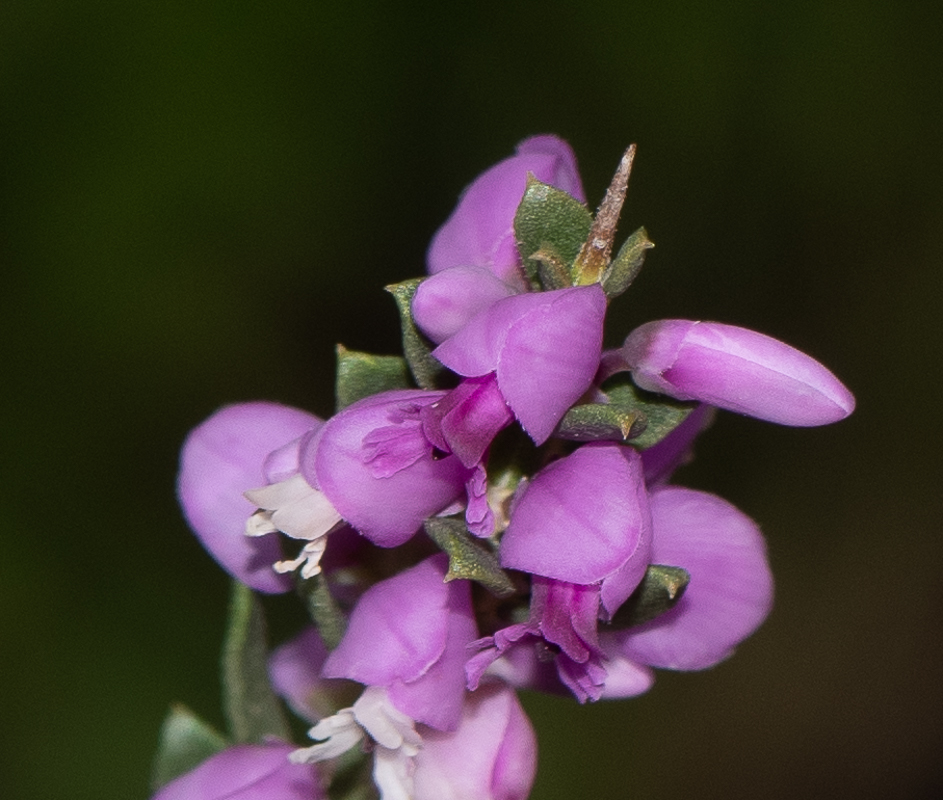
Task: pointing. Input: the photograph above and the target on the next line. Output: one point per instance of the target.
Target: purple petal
(247, 772)
(222, 458)
(466, 420)
(480, 232)
(544, 346)
(444, 303)
(582, 519)
(737, 369)
(731, 588)
(491, 756)
(409, 633)
(376, 466)
(550, 357)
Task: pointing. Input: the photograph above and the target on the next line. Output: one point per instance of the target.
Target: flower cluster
(492, 511)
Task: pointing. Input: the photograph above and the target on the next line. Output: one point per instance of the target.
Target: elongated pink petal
(480, 232)
(731, 588)
(737, 369)
(222, 458)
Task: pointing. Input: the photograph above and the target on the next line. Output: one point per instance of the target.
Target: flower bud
(736, 369)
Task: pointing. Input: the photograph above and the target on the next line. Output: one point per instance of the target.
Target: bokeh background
(198, 200)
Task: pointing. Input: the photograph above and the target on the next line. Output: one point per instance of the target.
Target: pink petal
(247, 772)
(445, 302)
(222, 458)
(737, 369)
(583, 518)
(480, 232)
(731, 588)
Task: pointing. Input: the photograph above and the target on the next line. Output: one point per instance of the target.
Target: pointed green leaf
(185, 742)
(360, 375)
(594, 422)
(426, 370)
(323, 610)
(632, 415)
(553, 273)
(551, 221)
(250, 705)
(468, 559)
(627, 265)
(660, 589)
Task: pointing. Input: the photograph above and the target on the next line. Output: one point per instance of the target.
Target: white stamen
(298, 510)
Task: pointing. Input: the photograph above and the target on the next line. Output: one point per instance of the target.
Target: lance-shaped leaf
(186, 741)
(551, 223)
(467, 559)
(632, 415)
(660, 589)
(250, 705)
(425, 369)
(360, 375)
(627, 265)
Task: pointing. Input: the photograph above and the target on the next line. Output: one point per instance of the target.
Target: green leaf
(323, 610)
(185, 742)
(360, 375)
(660, 590)
(468, 559)
(425, 369)
(550, 222)
(250, 705)
(632, 415)
(627, 265)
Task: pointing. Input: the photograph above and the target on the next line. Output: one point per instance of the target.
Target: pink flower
(247, 772)
(737, 369)
(221, 459)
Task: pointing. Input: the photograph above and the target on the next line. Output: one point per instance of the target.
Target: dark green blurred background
(198, 199)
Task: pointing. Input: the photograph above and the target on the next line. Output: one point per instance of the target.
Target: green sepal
(619, 275)
(323, 610)
(467, 559)
(186, 741)
(425, 369)
(360, 375)
(251, 707)
(551, 222)
(660, 590)
(632, 415)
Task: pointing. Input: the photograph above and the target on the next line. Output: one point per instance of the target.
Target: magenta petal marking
(737, 369)
(466, 420)
(222, 458)
(583, 518)
(445, 302)
(731, 588)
